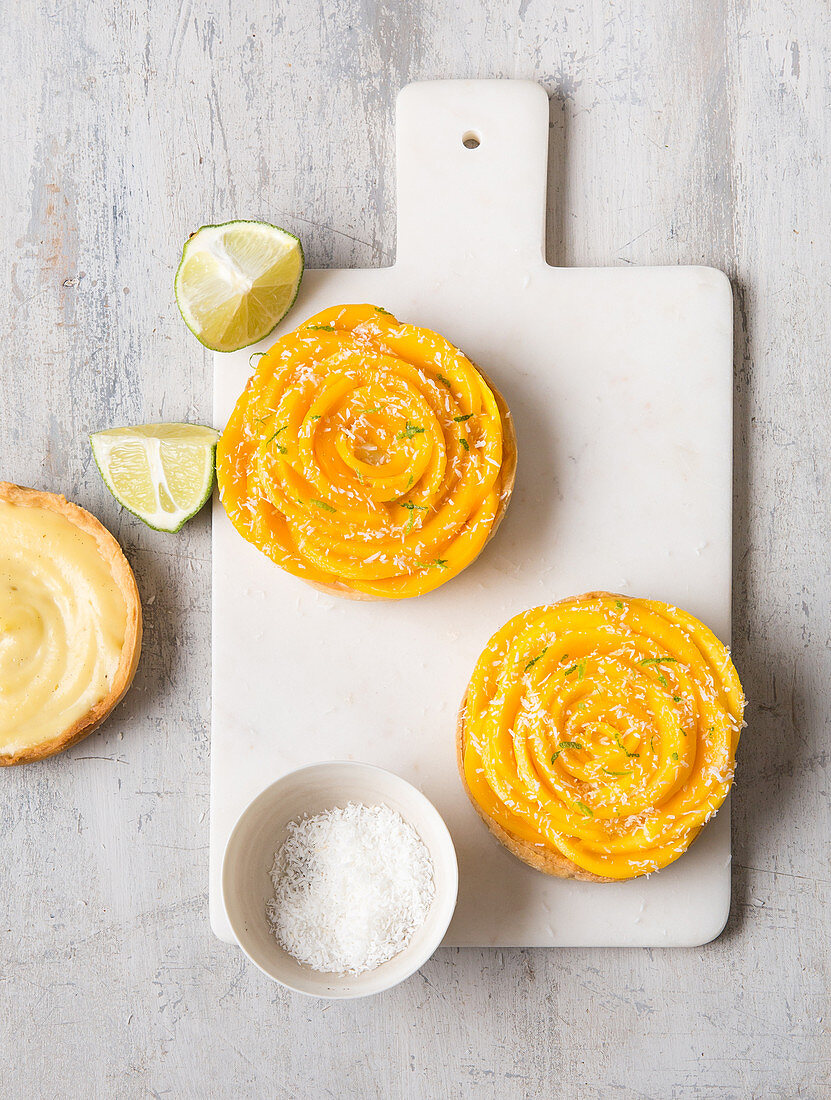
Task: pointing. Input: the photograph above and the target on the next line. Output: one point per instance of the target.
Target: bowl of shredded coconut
(340, 880)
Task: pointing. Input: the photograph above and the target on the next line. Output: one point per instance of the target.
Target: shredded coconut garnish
(351, 887)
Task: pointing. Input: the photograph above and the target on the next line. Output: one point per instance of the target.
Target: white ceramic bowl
(261, 829)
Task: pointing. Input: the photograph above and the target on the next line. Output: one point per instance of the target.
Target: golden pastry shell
(119, 567)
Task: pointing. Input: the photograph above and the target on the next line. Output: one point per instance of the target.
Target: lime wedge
(237, 281)
(162, 473)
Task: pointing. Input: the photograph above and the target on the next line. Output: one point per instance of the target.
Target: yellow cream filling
(604, 728)
(365, 452)
(62, 625)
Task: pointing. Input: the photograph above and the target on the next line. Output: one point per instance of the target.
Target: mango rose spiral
(598, 734)
(367, 456)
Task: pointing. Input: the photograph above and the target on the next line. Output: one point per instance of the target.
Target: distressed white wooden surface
(685, 132)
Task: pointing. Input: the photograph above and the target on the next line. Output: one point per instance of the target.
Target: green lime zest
(586, 811)
(462, 419)
(534, 660)
(412, 507)
(283, 450)
(322, 504)
(409, 431)
(623, 748)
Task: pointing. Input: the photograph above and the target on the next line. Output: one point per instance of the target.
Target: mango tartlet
(70, 624)
(367, 456)
(598, 735)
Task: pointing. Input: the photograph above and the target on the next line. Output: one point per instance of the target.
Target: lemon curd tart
(70, 624)
(368, 457)
(598, 735)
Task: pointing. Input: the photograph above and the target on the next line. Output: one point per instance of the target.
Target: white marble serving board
(620, 383)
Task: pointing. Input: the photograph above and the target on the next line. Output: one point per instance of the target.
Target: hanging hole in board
(471, 140)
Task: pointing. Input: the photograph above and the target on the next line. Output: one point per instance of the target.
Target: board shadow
(771, 756)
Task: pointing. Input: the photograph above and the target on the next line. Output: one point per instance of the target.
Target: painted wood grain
(684, 132)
